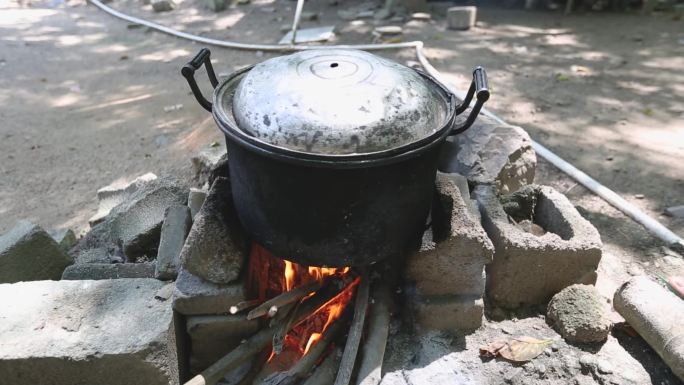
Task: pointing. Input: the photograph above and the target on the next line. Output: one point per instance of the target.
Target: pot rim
(227, 124)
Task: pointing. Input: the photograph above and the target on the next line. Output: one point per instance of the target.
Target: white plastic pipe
(653, 226)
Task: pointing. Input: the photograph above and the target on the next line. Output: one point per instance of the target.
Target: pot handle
(188, 71)
(478, 88)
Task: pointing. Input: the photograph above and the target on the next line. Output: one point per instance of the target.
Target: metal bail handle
(188, 71)
(478, 88)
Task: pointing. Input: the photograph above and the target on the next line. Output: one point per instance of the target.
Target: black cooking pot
(333, 153)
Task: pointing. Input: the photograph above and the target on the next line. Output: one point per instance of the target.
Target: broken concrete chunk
(162, 5)
(215, 5)
(461, 18)
(454, 252)
(98, 255)
(97, 271)
(114, 194)
(656, 314)
(136, 223)
(491, 153)
(213, 336)
(196, 200)
(87, 332)
(28, 253)
(529, 269)
(580, 314)
(194, 295)
(173, 233)
(208, 158)
(216, 247)
(65, 238)
(675, 211)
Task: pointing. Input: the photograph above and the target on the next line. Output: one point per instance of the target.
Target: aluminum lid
(336, 102)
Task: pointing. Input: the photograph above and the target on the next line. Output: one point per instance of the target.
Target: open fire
(271, 280)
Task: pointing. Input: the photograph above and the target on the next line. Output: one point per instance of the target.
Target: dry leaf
(518, 349)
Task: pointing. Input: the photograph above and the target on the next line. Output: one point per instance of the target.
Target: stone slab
(529, 269)
(196, 200)
(217, 246)
(213, 336)
(177, 223)
(96, 271)
(28, 253)
(111, 332)
(194, 296)
(491, 153)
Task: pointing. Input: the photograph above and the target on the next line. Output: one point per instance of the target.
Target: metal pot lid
(337, 102)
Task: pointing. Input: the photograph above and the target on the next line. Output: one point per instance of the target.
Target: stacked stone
(210, 279)
(446, 279)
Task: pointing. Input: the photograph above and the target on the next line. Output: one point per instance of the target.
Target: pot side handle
(479, 88)
(188, 71)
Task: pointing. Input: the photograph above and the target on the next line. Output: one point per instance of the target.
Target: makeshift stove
(329, 211)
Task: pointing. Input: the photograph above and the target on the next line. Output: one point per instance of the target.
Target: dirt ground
(87, 99)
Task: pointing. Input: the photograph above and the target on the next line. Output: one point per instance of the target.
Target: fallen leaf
(580, 69)
(648, 111)
(562, 77)
(518, 349)
(492, 348)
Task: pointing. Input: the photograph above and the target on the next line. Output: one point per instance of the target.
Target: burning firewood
(307, 362)
(370, 371)
(271, 306)
(261, 339)
(279, 336)
(244, 305)
(352, 347)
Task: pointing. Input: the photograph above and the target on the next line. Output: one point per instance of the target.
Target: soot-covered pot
(333, 152)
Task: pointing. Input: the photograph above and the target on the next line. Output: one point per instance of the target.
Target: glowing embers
(282, 289)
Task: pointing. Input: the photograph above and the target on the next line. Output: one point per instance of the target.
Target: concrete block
(213, 336)
(461, 18)
(449, 312)
(454, 253)
(173, 233)
(207, 159)
(111, 332)
(195, 296)
(215, 5)
(96, 271)
(162, 5)
(28, 253)
(136, 223)
(115, 194)
(529, 269)
(656, 314)
(65, 238)
(216, 247)
(196, 200)
(490, 153)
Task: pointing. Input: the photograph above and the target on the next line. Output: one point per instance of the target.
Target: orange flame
(270, 276)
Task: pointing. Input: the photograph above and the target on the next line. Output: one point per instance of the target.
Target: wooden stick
(307, 362)
(355, 331)
(244, 305)
(283, 312)
(283, 299)
(370, 371)
(325, 372)
(279, 336)
(260, 340)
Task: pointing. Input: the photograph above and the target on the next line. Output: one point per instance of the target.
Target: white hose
(653, 226)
